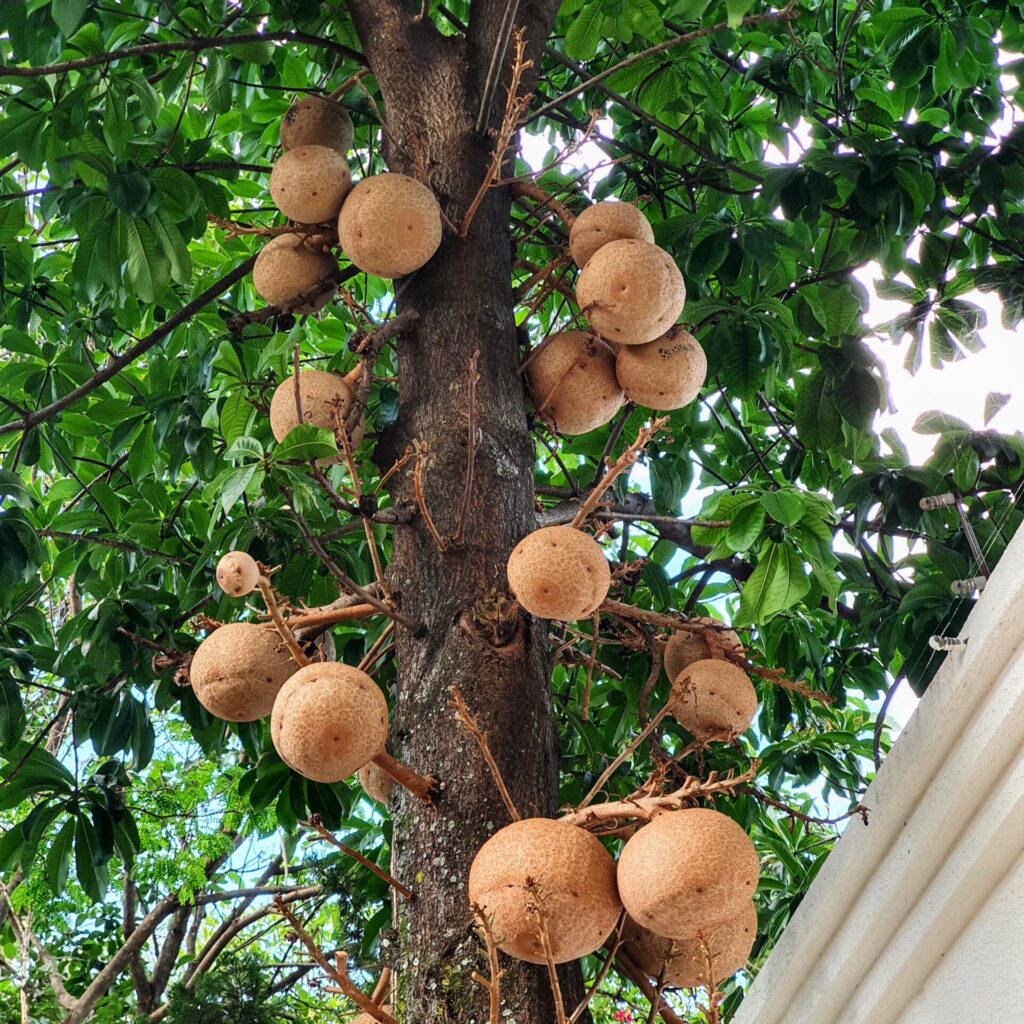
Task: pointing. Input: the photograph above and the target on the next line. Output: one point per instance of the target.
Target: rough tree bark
(431, 85)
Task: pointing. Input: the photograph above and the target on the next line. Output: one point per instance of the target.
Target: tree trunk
(476, 636)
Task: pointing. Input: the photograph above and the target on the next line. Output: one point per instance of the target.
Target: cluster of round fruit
(328, 720)
(631, 293)
(686, 880)
(388, 225)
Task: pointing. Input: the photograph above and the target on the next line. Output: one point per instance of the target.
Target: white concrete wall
(919, 918)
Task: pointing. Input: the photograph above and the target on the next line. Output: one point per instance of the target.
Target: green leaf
(217, 83)
(816, 414)
(306, 442)
(58, 858)
(173, 246)
(785, 507)
(12, 712)
(129, 191)
(234, 483)
(994, 401)
(935, 422)
(779, 581)
(67, 14)
(745, 527)
(737, 10)
(147, 270)
(584, 33)
(91, 872)
(857, 397)
(745, 359)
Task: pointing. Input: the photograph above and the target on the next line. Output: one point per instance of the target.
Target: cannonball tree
(326, 464)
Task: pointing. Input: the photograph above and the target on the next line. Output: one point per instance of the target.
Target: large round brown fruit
(317, 121)
(238, 670)
(390, 225)
(287, 268)
(606, 222)
(328, 721)
(713, 699)
(687, 870)
(683, 961)
(558, 572)
(309, 184)
(238, 574)
(631, 292)
(684, 646)
(664, 374)
(326, 400)
(573, 877)
(572, 379)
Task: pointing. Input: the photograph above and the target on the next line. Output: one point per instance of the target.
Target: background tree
(144, 839)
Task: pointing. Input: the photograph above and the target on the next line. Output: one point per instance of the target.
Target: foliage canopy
(775, 158)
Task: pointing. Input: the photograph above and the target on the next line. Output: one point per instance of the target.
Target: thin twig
(371, 654)
(420, 450)
(610, 770)
(298, 655)
(493, 983)
(469, 723)
(515, 107)
(467, 487)
(497, 59)
(601, 974)
(595, 644)
(337, 973)
(549, 202)
(538, 911)
(622, 463)
(349, 584)
(644, 807)
(317, 825)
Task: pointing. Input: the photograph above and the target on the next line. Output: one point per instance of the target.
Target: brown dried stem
(493, 983)
(595, 644)
(336, 94)
(371, 654)
(627, 967)
(371, 540)
(368, 350)
(420, 450)
(622, 463)
(471, 442)
(323, 619)
(714, 996)
(538, 911)
(808, 819)
(317, 825)
(469, 723)
(269, 599)
(337, 973)
(423, 787)
(549, 202)
(235, 230)
(644, 807)
(349, 584)
(601, 974)
(609, 771)
(515, 108)
(383, 986)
